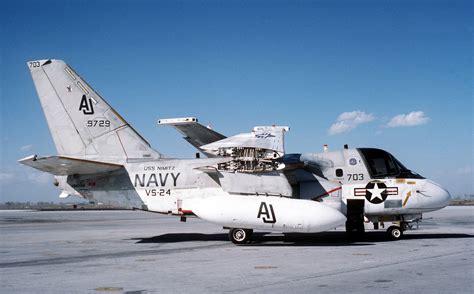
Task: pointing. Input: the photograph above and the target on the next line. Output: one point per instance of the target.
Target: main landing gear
(240, 236)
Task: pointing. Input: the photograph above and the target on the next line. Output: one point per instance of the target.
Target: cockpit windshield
(382, 164)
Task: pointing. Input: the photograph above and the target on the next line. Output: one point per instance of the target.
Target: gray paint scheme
(103, 159)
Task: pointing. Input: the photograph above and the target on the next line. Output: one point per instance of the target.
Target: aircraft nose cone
(437, 196)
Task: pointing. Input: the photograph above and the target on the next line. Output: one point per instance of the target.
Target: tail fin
(81, 122)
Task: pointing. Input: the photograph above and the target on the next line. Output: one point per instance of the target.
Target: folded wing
(195, 133)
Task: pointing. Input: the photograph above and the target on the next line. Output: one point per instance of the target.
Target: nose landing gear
(395, 232)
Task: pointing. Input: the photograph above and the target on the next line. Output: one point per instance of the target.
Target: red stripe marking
(392, 190)
(328, 192)
(359, 191)
(186, 211)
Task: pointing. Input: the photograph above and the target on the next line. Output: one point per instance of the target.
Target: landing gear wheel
(395, 233)
(240, 236)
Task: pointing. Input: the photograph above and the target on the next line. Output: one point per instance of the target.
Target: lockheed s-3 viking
(246, 183)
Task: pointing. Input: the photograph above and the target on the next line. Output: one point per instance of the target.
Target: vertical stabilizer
(81, 122)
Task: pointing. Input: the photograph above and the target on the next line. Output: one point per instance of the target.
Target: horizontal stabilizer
(63, 166)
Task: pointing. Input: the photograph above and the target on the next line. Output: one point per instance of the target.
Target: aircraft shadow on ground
(297, 239)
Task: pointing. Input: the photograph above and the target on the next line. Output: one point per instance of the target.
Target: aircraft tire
(395, 232)
(240, 236)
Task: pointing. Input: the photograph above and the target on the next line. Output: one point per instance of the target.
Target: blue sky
(238, 64)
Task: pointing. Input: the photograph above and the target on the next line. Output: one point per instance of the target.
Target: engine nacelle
(266, 212)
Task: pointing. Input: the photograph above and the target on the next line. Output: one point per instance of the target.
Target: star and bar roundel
(376, 192)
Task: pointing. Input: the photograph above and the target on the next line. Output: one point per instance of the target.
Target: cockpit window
(382, 164)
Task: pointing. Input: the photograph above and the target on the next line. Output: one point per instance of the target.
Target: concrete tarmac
(140, 252)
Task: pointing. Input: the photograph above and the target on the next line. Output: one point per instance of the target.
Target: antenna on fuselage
(325, 148)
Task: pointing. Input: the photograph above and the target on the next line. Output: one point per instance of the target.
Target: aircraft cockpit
(381, 165)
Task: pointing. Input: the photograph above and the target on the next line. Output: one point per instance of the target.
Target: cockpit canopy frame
(381, 165)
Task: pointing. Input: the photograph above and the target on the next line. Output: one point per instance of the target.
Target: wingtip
(28, 158)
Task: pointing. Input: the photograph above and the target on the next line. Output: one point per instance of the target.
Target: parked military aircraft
(246, 183)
